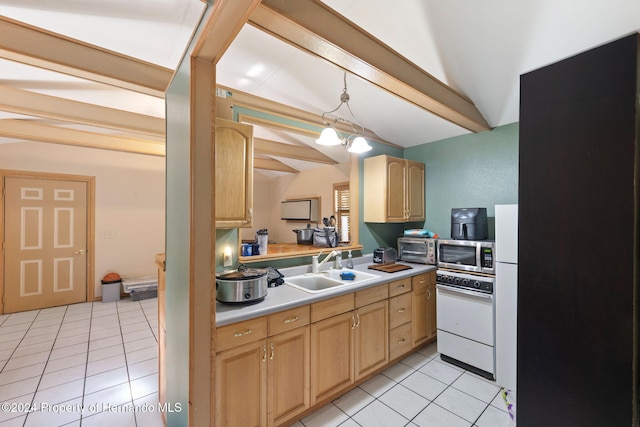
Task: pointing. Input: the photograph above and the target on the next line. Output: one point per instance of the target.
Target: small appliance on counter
(469, 224)
(421, 250)
(241, 286)
(304, 236)
(384, 255)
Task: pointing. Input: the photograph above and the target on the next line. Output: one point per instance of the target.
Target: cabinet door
(371, 338)
(396, 188)
(331, 355)
(241, 387)
(419, 330)
(234, 174)
(288, 374)
(415, 191)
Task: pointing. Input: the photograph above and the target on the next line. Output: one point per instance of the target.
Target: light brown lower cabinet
(288, 377)
(241, 386)
(273, 369)
(350, 345)
(264, 382)
(423, 308)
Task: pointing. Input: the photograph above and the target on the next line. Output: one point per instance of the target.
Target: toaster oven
(421, 250)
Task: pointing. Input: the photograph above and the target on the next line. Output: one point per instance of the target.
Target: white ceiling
(479, 48)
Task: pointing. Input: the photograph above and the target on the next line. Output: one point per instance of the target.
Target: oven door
(465, 322)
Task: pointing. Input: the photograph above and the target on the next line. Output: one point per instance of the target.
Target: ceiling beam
(50, 107)
(34, 46)
(227, 19)
(317, 29)
(290, 151)
(28, 130)
(272, 165)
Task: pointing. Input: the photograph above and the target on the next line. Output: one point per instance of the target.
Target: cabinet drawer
(399, 341)
(371, 295)
(399, 310)
(241, 333)
(399, 287)
(289, 319)
(331, 307)
(420, 281)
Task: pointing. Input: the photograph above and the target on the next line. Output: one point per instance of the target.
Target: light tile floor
(84, 364)
(97, 364)
(420, 390)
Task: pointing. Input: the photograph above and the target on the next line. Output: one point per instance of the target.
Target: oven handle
(464, 291)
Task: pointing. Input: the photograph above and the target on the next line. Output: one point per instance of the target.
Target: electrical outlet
(226, 259)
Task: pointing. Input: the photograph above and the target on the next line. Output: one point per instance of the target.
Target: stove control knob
(465, 282)
(457, 280)
(247, 295)
(476, 284)
(450, 279)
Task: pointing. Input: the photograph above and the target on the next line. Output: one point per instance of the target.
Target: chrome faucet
(315, 266)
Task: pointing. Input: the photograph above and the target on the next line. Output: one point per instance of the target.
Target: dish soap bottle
(349, 260)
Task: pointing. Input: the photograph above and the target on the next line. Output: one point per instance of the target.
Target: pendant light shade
(359, 145)
(329, 137)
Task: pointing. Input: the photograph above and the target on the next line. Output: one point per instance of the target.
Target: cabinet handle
(291, 319)
(400, 286)
(264, 353)
(429, 293)
(250, 214)
(241, 334)
(358, 322)
(401, 341)
(273, 351)
(401, 310)
(353, 325)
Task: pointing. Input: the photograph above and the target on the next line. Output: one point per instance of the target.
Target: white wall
(129, 200)
(269, 192)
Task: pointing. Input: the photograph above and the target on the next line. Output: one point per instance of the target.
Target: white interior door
(45, 262)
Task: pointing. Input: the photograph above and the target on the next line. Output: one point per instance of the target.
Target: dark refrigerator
(578, 240)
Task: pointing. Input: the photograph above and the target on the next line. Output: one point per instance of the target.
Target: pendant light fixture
(355, 142)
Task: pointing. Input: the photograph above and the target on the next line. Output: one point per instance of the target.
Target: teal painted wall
(475, 170)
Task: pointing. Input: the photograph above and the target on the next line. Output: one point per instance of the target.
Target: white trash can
(111, 290)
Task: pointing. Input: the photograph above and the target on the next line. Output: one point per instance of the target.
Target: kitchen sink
(326, 280)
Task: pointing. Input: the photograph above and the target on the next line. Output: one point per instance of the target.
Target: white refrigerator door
(507, 233)
(506, 293)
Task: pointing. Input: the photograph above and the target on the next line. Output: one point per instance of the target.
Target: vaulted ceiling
(417, 71)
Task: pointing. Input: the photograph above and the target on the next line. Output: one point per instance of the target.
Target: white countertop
(284, 297)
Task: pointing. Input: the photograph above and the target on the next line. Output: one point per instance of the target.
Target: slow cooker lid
(242, 273)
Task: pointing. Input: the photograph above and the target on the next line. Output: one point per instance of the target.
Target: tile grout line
(35, 392)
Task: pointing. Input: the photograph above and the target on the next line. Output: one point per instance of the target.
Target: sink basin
(326, 280)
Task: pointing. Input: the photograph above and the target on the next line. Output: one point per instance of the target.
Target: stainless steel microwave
(476, 256)
(417, 249)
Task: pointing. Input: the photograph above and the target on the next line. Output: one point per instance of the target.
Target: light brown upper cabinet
(234, 174)
(393, 190)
